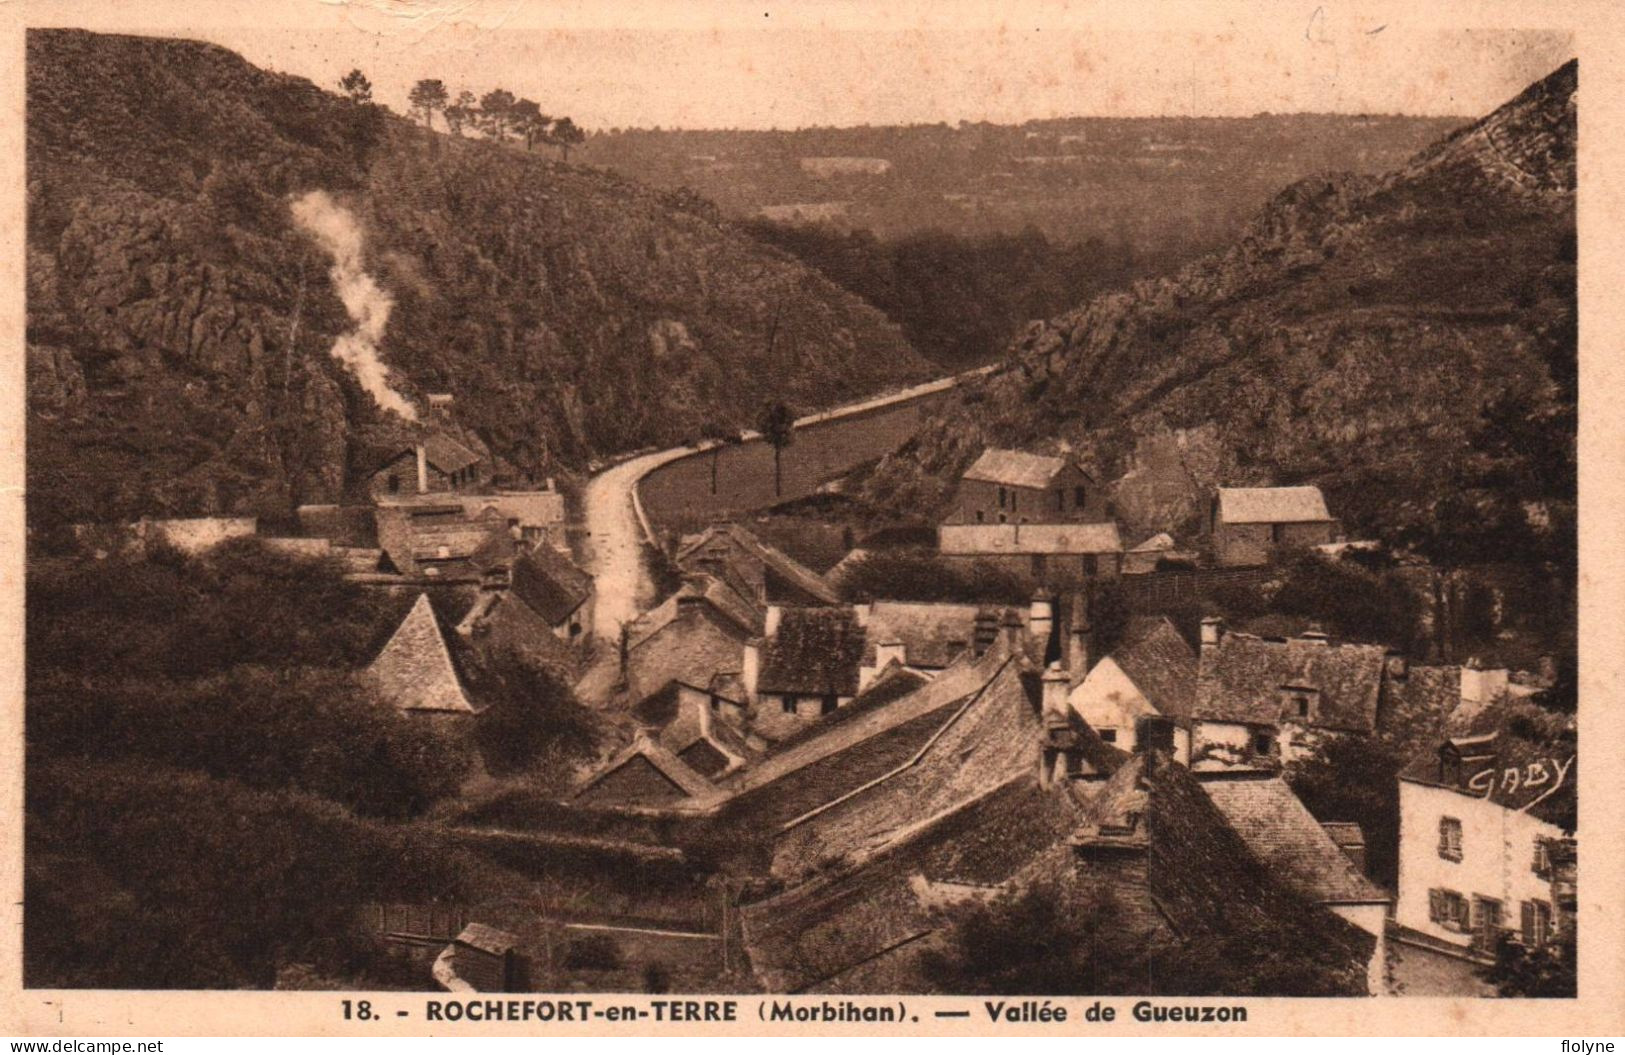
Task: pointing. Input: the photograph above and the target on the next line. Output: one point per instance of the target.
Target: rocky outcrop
(183, 322)
(1381, 337)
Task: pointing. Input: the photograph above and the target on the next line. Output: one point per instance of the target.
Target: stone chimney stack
(1056, 688)
(423, 470)
(1079, 639)
(770, 622)
(1014, 627)
(985, 631)
(1041, 615)
(751, 668)
(1212, 632)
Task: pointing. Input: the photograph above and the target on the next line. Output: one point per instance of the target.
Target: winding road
(612, 519)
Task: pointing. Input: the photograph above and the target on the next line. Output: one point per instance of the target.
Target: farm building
(1249, 524)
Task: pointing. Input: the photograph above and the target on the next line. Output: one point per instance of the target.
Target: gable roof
(1240, 678)
(1285, 836)
(729, 612)
(414, 672)
(549, 584)
(809, 585)
(1159, 662)
(668, 765)
(1272, 505)
(993, 539)
(446, 454)
(814, 652)
(1015, 468)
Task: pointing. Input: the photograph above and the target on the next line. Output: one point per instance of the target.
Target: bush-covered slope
(180, 322)
(1408, 342)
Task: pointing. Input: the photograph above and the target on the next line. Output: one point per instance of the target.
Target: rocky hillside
(1408, 342)
(182, 322)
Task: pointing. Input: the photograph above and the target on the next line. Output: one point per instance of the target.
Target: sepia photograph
(745, 503)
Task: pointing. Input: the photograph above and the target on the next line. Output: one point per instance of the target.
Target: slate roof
(1015, 468)
(996, 539)
(740, 619)
(487, 939)
(550, 584)
(813, 652)
(674, 769)
(414, 672)
(1240, 678)
(1155, 544)
(1282, 833)
(1160, 663)
(720, 537)
(1272, 505)
(446, 454)
(931, 634)
(1516, 737)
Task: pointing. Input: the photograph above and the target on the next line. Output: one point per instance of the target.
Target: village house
(701, 726)
(760, 574)
(1487, 825)
(1249, 525)
(1060, 556)
(414, 672)
(560, 593)
(1015, 487)
(805, 665)
(1262, 702)
(438, 542)
(1301, 854)
(1151, 671)
(928, 636)
(647, 774)
(434, 465)
(693, 636)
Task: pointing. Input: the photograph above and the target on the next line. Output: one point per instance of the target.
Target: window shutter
(1528, 922)
(1436, 905)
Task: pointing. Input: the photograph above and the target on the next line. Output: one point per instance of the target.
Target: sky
(839, 62)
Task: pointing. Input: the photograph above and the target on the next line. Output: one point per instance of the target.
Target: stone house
(560, 593)
(435, 465)
(1249, 524)
(1487, 818)
(1015, 487)
(1152, 671)
(646, 774)
(694, 636)
(760, 574)
(803, 667)
(928, 636)
(1060, 556)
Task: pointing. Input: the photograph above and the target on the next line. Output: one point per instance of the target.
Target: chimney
(1056, 686)
(1080, 639)
(1480, 686)
(860, 612)
(985, 631)
(1013, 628)
(1041, 615)
(1212, 632)
(770, 622)
(1398, 667)
(423, 470)
(751, 668)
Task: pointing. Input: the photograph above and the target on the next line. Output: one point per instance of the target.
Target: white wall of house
(1373, 920)
(1109, 701)
(1230, 742)
(1497, 857)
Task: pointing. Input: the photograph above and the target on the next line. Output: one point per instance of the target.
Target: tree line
(498, 114)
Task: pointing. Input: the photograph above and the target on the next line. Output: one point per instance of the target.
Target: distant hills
(180, 323)
(1406, 341)
(1164, 186)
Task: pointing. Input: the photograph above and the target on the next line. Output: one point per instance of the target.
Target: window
(1277, 533)
(788, 704)
(1542, 864)
(828, 704)
(1079, 497)
(394, 484)
(1109, 735)
(978, 516)
(1537, 923)
(1001, 497)
(1060, 501)
(1450, 838)
(1263, 743)
(1486, 920)
(1448, 909)
(1298, 703)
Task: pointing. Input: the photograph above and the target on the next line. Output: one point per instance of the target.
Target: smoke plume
(336, 231)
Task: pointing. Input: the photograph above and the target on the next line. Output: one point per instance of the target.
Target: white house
(1151, 671)
(1480, 819)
